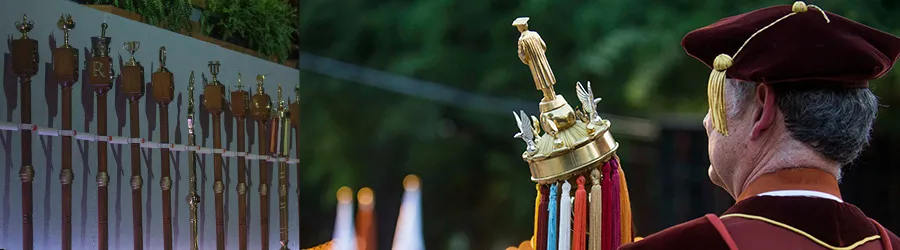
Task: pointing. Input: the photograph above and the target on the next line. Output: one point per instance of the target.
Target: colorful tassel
(542, 219)
(596, 213)
(578, 235)
(552, 222)
(616, 209)
(565, 217)
(625, 207)
(537, 212)
(607, 214)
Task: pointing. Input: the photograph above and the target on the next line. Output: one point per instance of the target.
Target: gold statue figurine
(531, 52)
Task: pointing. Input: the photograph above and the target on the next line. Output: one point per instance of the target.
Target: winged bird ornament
(526, 132)
(588, 102)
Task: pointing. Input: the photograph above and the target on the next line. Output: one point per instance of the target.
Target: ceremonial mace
(214, 100)
(576, 148)
(101, 80)
(239, 105)
(133, 88)
(193, 198)
(279, 146)
(295, 122)
(24, 64)
(163, 90)
(260, 109)
(65, 69)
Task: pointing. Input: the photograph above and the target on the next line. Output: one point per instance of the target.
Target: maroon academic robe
(835, 223)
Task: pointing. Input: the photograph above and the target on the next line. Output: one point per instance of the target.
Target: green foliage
(174, 15)
(264, 25)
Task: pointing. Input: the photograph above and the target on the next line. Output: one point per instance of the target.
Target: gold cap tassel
(716, 93)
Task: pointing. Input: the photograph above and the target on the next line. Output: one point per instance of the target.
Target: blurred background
(427, 87)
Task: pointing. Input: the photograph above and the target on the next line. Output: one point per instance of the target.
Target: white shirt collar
(807, 193)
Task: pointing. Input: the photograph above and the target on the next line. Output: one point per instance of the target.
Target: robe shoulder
(700, 233)
(895, 241)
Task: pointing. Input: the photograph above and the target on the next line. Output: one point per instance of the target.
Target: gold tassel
(716, 93)
(596, 212)
(625, 215)
(537, 205)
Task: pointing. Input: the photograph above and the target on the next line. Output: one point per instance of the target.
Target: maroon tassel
(542, 218)
(615, 205)
(606, 188)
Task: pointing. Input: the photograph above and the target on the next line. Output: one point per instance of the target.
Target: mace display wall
(185, 54)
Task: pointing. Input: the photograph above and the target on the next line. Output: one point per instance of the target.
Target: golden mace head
(214, 71)
(24, 26)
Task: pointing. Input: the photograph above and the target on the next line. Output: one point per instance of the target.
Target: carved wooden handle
(263, 188)
(166, 181)
(242, 187)
(136, 180)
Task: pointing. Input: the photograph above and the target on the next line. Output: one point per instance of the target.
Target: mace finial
(214, 70)
(297, 92)
(240, 85)
(162, 60)
(24, 26)
(66, 24)
(259, 83)
(280, 101)
(191, 95)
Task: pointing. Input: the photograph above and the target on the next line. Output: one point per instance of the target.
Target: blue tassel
(552, 224)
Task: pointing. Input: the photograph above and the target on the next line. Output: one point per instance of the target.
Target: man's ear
(764, 116)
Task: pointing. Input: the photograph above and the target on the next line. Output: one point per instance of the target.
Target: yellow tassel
(537, 204)
(716, 93)
(596, 212)
(625, 208)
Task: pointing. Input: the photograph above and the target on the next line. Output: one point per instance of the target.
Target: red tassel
(542, 218)
(578, 235)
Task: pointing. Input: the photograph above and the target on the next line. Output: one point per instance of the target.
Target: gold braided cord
(801, 232)
(821, 11)
(798, 7)
(761, 30)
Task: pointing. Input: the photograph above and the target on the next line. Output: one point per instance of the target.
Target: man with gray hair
(788, 110)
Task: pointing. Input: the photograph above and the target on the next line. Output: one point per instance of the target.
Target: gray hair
(836, 122)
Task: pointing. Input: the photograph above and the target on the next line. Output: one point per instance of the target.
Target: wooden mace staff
(193, 197)
(133, 88)
(101, 78)
(260, 109)
(164, 90)
(65, 69)
(239, 104)
(279, 146)
(295, 122)
(25, 65)
(214, 100)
